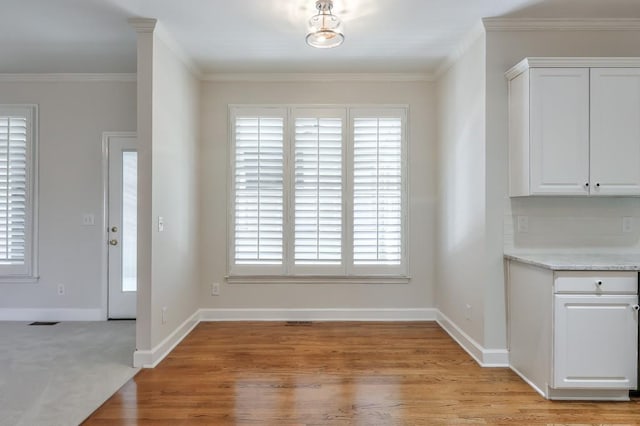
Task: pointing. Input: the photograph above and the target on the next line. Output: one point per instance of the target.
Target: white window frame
(28, 270)
(288, 272)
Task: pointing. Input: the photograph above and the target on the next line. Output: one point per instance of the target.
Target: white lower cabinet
(595, 341)
(573, 334)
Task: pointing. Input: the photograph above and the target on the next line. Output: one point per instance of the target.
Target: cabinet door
(615, 131)
(595, 342)
(559, 127)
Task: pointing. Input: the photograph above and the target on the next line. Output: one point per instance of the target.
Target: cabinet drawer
(596, 282)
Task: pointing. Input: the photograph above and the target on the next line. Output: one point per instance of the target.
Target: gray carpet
(58, 375)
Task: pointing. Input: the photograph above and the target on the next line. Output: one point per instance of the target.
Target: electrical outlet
(468, 311)
(523, 224)
(215, 289)
(60, 289)
(627, 224)
(164, 314)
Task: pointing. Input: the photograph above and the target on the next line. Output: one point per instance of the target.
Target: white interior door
(122, 223)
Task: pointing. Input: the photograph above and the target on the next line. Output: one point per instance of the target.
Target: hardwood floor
(339, 373)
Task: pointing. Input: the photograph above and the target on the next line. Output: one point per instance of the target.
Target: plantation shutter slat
(377, 191)
(13, 188)
(318, 191)
(259, 198)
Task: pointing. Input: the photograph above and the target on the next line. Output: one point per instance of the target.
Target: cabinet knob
(599, 282)
(636, 308)
(597, 185)
(586, 184)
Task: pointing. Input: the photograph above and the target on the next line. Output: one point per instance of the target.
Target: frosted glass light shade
(324, 29)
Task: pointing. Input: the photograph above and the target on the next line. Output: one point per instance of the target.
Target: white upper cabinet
(574, 127)
(559, 132)
(615, 131)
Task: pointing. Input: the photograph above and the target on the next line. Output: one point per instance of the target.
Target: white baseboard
(56, 314)
(527, 381)
(149, 359)
(484, 357)
(382, 314)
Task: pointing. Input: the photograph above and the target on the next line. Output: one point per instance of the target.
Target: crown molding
(317, 77)
(468, 40)
(562, 24)
(166, 37)
(143, 25)
(579, 62)
(153, 26)
(69, 78)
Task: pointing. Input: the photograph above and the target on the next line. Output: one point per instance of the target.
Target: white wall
(461, 260)
(72, 117)
(558, 223)
(176, 126)
(168, 145)
(419, 293)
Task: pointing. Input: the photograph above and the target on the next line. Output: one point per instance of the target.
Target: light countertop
(579, 261)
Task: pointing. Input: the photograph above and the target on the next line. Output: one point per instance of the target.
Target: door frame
(104, 234)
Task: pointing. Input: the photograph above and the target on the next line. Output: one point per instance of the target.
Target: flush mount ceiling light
(325, 29)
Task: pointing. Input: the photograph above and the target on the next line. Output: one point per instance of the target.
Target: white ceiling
(83, 36)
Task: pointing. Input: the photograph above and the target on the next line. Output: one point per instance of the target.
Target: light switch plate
(627, 224)
(88, 219)
(160, 224)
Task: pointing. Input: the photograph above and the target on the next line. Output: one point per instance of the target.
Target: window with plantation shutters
(377, 190)
(16, 191)
(317, 191)
(318, 181)
(258, 184)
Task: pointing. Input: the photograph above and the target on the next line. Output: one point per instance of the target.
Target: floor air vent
(43, 323)
(299, 323)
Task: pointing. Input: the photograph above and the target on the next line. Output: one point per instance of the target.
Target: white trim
(341, 314)
(164, 35)
(263, 273)
(588, 394)
(50, 314)
(69, 78)
(317, 77)
(151, 358)
(143, 25)
(527, 381)
(19, 279)
(27, 271)
(315, 279)
(562, 24)
(578, 62)
(469, 40)
(153, 26)
(484, 357)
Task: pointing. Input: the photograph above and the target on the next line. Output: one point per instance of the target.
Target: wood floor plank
(336, 373)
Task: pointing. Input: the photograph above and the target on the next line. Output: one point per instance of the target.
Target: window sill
(7, 279)
(317, 279)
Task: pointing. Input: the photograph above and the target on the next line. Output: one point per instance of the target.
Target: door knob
(113, 242)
